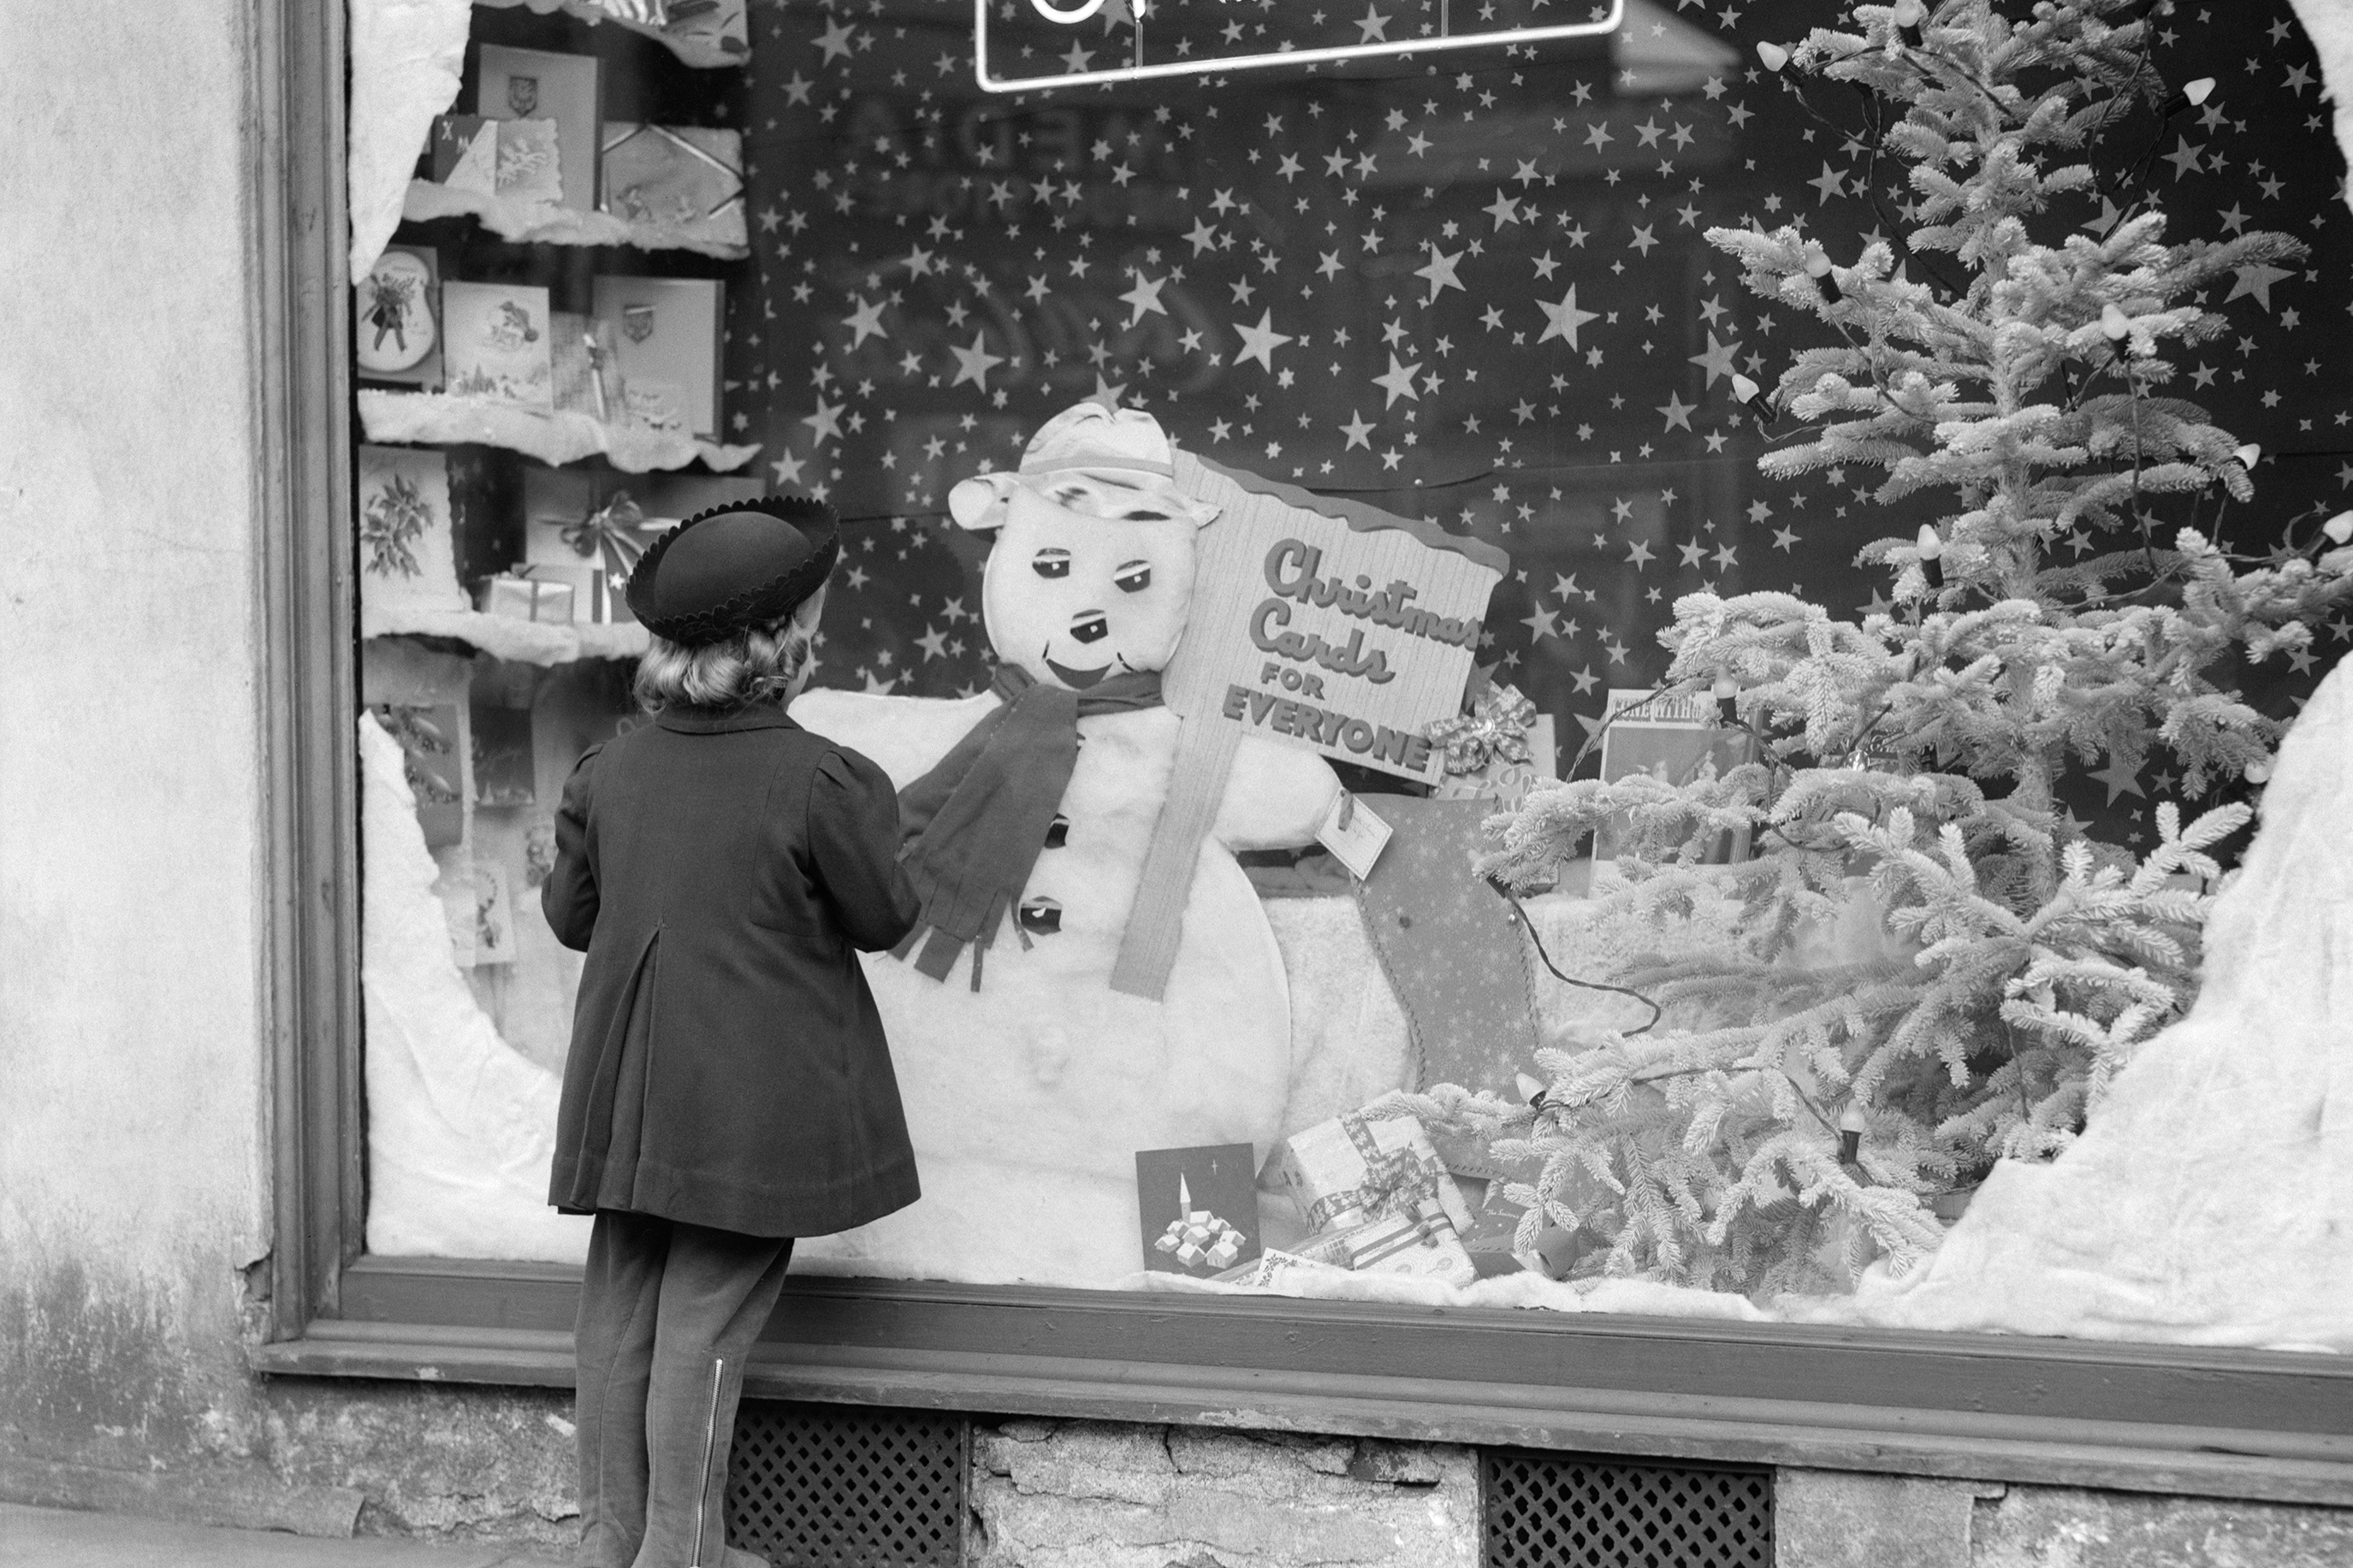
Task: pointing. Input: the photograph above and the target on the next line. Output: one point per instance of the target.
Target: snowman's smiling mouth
(1077, 679)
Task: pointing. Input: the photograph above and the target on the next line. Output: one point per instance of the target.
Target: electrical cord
(1529, 926)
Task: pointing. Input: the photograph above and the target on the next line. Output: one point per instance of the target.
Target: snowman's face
(1091, 576)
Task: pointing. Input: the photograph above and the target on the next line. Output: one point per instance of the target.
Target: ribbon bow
(1398, 1183)
(1496, 728)
(619, 532)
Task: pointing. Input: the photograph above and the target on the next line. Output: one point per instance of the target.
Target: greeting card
(1198, 1208)
(430, 738)
(534, 84)
(689, 179)
(397, 311)
(669, 338)
(497, 342)
(503, 769)
(407, 558)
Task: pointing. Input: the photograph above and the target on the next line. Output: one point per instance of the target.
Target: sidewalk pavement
(61, 1538)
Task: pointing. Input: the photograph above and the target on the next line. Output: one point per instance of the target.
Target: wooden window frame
(2247, 1424)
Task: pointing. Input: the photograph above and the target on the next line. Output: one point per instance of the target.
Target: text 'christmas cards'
(1199, 1209)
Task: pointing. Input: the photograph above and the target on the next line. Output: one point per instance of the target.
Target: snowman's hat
(1125, 446)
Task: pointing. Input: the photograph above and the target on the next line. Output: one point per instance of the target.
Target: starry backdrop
(1473, 287)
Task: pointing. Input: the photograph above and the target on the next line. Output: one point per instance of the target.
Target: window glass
(1465, 310)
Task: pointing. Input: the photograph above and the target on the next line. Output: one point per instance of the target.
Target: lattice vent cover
(1567, 1510)
(831, 1486)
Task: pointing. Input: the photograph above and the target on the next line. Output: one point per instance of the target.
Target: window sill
(1976, 1406)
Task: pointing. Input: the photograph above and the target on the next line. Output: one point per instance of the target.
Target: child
(729, 1086)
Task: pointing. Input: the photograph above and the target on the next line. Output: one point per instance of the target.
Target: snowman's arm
(904, 736)
(1276, 796)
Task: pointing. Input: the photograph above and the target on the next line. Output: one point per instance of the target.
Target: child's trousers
(668, 1314)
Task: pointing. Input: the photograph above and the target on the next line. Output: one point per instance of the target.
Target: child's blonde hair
(762, 664)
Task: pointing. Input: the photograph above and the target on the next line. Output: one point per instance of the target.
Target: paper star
(787, 469)
(1827, 183)
(865, 322)
(2120, 777)
(825, 421)
(1399, 381)
(1440, 271)
(1145, 298)
(973, 364)
(835, 41)
(1717, 360)
(1563, 319)
(1260, 343)
(1677, 411)
(1359, 430)
(2257, 281)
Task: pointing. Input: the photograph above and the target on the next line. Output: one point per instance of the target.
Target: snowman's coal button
(1041, 915)
(1058, 832)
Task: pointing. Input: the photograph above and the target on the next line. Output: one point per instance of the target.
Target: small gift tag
(1354, 835)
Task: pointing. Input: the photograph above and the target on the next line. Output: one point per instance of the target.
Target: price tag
(1354, 835)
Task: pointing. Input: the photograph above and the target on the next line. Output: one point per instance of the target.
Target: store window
(1468, 318)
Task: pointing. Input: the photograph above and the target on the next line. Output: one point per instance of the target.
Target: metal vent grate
(1568, 1511)
(833, 1486)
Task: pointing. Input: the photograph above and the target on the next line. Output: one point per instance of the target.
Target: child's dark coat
(728, 1068)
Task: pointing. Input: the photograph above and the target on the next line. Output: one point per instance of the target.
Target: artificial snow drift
(461, 1126)
(2210, 1199)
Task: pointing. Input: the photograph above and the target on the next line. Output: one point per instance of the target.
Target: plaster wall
(132, 1193)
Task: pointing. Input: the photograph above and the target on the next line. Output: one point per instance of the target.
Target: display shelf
(540, 223)
(504, 637)
(433, 418)
(700, 43)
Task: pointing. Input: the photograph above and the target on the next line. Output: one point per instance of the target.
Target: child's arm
(1276, 796)
(568, 898)
(853, 838)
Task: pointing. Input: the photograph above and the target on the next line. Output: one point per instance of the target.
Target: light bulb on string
(1726, 692)
(2193, 96)
(2114, 325)
(1931, 546)
(1818, 268)
(1851, 1129)
(1752, 397)
(1774, 56)
(1908, 16)
(2259, 770)
(2247, 456)
(2339, 528)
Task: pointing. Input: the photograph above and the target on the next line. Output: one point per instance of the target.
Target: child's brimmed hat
(745, 565)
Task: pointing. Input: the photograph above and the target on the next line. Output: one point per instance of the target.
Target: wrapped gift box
(668, 333)
(1497, 751)
(689, 179)
(535, 84)
(1364, 1166)
(578, 517)
(1276, 1269)
(1421, 1242)
(596, 598)
(529, 599)
(397, 307)
(496, 343)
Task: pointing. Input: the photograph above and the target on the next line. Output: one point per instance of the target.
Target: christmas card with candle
(1199, 1209)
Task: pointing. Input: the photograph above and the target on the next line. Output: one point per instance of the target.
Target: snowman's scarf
(971, 827)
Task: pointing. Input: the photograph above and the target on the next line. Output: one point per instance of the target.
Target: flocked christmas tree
(1785, 1119)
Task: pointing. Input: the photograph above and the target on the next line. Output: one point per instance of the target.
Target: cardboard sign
(1316, 621)
(1327, 623)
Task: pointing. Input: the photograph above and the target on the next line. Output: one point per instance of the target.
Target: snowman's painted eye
(1058, 832)
(1051, 563)
(1041, 915)
(1089, 625)
(1135, 577)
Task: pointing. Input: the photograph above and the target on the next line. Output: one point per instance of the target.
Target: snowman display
(1029, 1082)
